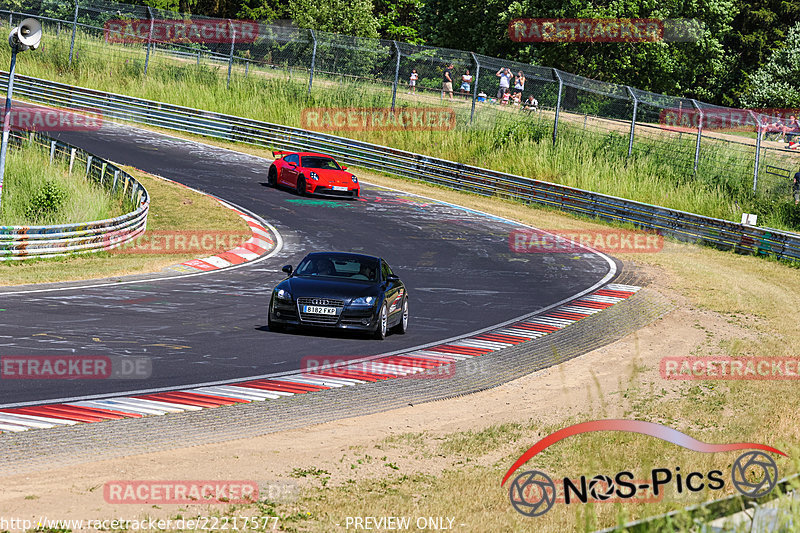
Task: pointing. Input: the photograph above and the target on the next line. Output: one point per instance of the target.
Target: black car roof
(351, 254)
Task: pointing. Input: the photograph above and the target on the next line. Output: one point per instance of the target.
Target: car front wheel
(301, 186)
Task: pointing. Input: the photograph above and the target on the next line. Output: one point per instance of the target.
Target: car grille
(319, 319)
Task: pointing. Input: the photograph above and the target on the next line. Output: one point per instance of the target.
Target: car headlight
(364, 300)
(313, 176)
(355, 179)
(283, 294)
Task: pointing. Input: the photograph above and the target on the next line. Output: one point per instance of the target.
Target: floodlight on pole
(26, 36)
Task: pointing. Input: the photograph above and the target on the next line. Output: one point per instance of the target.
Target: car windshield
(339, 267)
(325, 163)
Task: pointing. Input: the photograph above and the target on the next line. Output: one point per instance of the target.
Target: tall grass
(36, 192)
(659, 171)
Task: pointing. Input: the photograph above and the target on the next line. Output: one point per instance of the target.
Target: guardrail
(23, 242)
(673, 223)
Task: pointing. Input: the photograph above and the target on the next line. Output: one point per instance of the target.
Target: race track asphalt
(457, 265)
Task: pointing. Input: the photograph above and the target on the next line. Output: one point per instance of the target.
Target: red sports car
(312, 173)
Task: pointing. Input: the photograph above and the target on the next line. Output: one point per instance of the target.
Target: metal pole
(7, 118)
(74, 30)
(558, 104)
(313, 60)
(475, 88)
(759, 134)
(633, 120)
(699, 134)
(149, 40)
(230, 57)
(396, 73)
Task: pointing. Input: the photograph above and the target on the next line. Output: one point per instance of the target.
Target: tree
(759, 28)
(399, 20)
(692, 69)
(349, 17)
(775, 84)
(264, 10)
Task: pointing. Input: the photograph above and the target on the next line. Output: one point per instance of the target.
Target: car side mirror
(292, 164)
(287, 269)
(344, 168)
(392, 278)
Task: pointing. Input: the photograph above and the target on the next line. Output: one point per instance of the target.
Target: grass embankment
(172, 208)
(36, 192)
(660, 172)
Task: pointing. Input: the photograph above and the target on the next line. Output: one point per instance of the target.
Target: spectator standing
(519, 83)
(412, 81)
(505, 81)
(466, 79)
(447, 81)
(796, 188)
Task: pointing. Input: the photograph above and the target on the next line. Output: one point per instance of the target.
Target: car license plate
(338, 188)
(317, 310)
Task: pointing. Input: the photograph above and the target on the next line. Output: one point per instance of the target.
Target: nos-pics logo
(533, 493)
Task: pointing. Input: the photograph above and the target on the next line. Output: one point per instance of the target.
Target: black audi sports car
(340, 290)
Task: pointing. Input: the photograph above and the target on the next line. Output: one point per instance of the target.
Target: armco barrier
(677, 224)
(22, 242)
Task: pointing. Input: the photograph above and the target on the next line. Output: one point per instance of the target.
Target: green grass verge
(659, 172)
(36, 192)
(172, 208)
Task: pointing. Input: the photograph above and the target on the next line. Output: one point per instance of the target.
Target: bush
(46, 201)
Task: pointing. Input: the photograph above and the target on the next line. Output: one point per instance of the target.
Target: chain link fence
(724, 147)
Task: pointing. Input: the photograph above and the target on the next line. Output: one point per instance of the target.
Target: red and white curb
(257, 245)
(425, 360)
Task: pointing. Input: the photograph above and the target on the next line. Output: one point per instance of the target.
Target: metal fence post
(558, 104)
(475, 88)
(313, 60)
(74, 31)
(149, 40)
(396, 73)
(757, 164)
(633, 120)
(230, 56)
(699, 134)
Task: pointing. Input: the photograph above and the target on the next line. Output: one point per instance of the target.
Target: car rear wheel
(272, 176)
(383, 322)
(402, 326)
(301, 186)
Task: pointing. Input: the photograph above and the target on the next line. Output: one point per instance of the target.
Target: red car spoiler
(281, 152)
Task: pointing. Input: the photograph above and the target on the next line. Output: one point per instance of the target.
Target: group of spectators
(788, 131)
(505, 94)
(447, 80)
